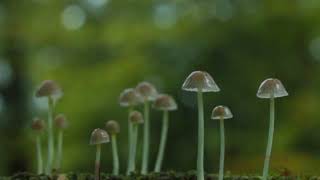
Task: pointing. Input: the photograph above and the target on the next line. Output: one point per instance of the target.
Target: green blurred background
(97, 48)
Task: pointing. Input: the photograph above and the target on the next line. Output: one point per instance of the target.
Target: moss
(171, 175)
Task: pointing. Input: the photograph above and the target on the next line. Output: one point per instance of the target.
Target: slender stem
(97, 162)
(270, 140)
(59, 149)
(222, 149)
(146, 135)
(115, 155)
(39, 155)
(129, 141)
(134, 147)
(164, 134)
(200, 170)
(50, 136)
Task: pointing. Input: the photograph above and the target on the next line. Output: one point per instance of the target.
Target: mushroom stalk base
(39, 155)
(134, 148)
(270, 140)
(222, 149)
(146, 135)
(97, 162)
(200, 169)
(50, 137)
(115, 155)
(164, 134)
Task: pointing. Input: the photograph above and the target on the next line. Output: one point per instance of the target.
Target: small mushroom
(163, 103)
(135, 118)
(61, 124)
(38, 126)
(113, 128)
(130, 98)
(200, 81)
(270, 89)
(149, 93)
(221, 113)
(51, 90)
(98, 137)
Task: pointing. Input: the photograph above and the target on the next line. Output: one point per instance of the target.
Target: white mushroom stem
(146, 137)
(97, 162)
(134, 147)
(59, 149)
(270, 140)
(50, 136)
(200, 169)
(222, 149)
(115, 155)
(130, 127)
(164, 134)
(39, 155)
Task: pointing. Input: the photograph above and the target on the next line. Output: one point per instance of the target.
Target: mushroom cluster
(147, 95)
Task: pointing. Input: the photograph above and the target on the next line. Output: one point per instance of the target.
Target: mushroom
(38, 127)
(113, 128)
(221, 113)
(149, 93)
(98, 137)
(51, 90)
(61, 124)
(135, 118)
(270, 89)
(163, 103)
(200, 82)
(130, 98)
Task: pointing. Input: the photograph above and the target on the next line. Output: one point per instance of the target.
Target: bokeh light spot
(73, 17)
(165, 16)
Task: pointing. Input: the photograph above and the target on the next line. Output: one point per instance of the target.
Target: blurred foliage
(97, 48)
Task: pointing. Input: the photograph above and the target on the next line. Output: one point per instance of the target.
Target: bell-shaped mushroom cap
(49, 88)
(221, 112)
(136, 117)
(271, 88)
(130, 97)
(61, 121)
(99, 136)
(113, 127)
(147, 91)
(200, 80)
(165, 102)
(37, 125)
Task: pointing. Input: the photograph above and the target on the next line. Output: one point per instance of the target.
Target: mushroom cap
(165, 102)
(38, 125)
(49, 88)
(221, 112)
(113, 127)
(200, 80)
(61, 121)
(147, 91)
(130, 97)
(271, 88)
(99, 136)
(136, 117)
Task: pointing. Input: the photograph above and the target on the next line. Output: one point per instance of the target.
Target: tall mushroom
(61, 124)
(51, 90)
(136, 118)
(148, 92)
(270, 89)
(130, 98)
(38, 127)
(163, 103)
(200, 82)
(221, 113)
(113, 128)
(98, 137)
